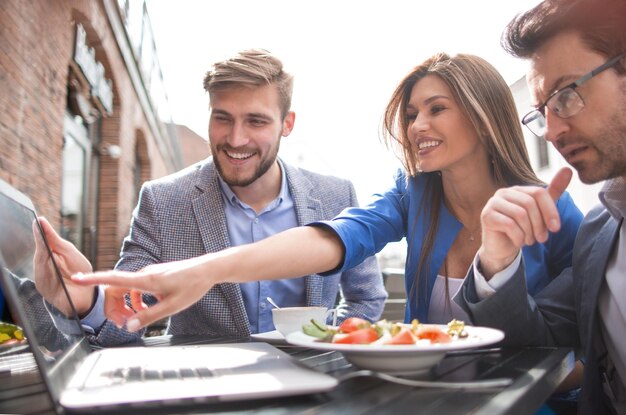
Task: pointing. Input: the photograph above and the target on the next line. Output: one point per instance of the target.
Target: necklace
(471, 232)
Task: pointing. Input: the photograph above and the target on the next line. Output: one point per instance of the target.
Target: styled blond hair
(251, 68)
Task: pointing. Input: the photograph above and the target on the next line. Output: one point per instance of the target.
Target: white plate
(401, 359)
(272, 337)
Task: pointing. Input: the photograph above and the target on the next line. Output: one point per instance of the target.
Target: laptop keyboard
(142, 374)
(17, 363)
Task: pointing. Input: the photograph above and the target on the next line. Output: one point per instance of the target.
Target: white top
(441, 309)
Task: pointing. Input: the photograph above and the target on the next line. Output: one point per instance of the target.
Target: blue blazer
(398, 213)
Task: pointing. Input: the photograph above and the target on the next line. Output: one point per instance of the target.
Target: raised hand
(518, 216)
(70, 261)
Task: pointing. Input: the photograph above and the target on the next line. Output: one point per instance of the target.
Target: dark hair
(600, 23)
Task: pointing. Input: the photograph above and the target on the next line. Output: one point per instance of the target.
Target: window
(543, 161)
(78, 204)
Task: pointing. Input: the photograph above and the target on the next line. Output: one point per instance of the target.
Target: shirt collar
(613, 197)
(232, 198)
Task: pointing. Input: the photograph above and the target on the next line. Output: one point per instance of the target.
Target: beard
(238, 177)
(610, 145)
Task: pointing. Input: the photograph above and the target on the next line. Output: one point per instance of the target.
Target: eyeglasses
(565, 102)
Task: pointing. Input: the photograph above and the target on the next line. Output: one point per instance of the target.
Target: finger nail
(554, 224)
(78, 275)
(132, 324)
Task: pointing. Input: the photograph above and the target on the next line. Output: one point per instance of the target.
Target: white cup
(290, 319)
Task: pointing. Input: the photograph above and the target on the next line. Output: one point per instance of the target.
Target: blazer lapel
(593, 276)
(208, 209)
(308, 209)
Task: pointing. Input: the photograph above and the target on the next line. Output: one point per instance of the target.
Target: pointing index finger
(559, 183)
(128, 280)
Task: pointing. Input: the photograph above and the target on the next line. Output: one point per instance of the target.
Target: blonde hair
(251, 68)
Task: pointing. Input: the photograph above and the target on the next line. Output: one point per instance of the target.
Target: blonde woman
(455, 125)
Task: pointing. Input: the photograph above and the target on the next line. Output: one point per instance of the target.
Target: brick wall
(36, 47)
(194, 147)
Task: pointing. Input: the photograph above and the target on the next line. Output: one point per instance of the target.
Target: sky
(347, 56)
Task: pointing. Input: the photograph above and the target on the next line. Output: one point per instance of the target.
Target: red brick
(36, 47)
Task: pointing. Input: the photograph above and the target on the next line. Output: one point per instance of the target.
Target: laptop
(81, 379)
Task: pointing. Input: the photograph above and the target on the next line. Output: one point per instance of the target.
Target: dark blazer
(565, 312)
(182, 216)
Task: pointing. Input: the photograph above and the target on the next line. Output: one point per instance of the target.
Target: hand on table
(70, 261)
(518, 216)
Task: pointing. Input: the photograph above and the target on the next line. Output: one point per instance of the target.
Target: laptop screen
(23, 250)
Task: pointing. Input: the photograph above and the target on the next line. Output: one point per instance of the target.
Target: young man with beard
(577, 78)
(242, 194)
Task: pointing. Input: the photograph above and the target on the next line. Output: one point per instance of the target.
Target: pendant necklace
(471, 237)
(471, 232)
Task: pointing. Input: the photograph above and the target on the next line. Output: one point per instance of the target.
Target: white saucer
(271, 337)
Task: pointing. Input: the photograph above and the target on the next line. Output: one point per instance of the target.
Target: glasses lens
(535, 122)
(566, 103)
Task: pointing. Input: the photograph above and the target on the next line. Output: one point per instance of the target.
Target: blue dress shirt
(246, 226)
(398, 213)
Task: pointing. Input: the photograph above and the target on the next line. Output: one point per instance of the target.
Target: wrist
(94, 298)
(489, 266)
(212, 268)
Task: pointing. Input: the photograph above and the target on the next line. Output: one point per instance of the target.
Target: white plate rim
(479, 337)
(269, 336)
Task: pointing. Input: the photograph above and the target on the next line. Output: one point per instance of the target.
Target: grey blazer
(182, 216)
(565, 312)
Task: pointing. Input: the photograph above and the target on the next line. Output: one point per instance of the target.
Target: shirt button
(263, 305)
(256, 220)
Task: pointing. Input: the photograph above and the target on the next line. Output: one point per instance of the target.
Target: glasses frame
(541, 110)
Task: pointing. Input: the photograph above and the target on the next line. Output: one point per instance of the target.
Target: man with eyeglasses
(577, 51)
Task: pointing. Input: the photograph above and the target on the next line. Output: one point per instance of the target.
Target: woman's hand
(176, 285)
(70, 261)
(518, 216)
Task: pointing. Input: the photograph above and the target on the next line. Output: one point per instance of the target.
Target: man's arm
(512, 218)
(363, 291)
(518, 216)
(547, 319)
(138, 251)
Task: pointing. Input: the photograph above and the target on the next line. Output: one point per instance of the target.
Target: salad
(355, 330)
(10, 334)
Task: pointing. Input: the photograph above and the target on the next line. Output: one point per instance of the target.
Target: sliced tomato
(434, 334)
(353, 324)
(361, 336)
(403, 337)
